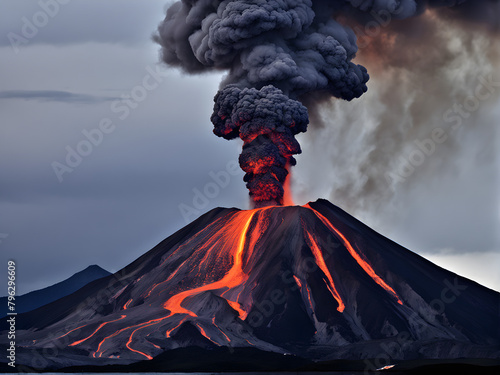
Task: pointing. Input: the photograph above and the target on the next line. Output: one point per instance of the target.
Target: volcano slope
(310, 280)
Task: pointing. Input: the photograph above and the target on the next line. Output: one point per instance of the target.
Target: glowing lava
(202, 331)
(238, 228)
(224, 257)
(126, 304)
(363, 263)
(169, 332)
(67, 333)
(93, 333)
(147, 324)
(320, 261)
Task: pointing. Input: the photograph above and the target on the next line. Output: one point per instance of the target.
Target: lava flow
(224, 258)
(234, 277)
(322, 265)
(274, 278)
(236, 229)
(220, 274)
(97, 329)
(362, 262)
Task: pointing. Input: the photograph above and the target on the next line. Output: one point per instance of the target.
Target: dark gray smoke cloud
(263, 42)
(267, 122)
(303, 48)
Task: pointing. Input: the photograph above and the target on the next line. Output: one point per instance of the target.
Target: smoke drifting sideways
(424, 72)
(275, 53)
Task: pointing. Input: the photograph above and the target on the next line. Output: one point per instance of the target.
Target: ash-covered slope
(311, 281)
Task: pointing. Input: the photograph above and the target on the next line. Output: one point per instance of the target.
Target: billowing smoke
(425, 73)
(275, 53)
(267, 122)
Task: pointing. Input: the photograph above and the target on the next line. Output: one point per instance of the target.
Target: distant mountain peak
(34, 299)
(94, 268)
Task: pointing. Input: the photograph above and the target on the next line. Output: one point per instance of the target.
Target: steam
(421, 81)
(276, 53)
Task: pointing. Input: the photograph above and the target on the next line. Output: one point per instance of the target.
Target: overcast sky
(92, 65)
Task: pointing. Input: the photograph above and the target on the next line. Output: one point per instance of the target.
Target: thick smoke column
(277, 52)
(266, 121)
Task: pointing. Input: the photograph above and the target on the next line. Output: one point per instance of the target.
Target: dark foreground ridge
(301, 287)
(254, 360)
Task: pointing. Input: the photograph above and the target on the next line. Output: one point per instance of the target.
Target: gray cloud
(110, 21)
(54, 96)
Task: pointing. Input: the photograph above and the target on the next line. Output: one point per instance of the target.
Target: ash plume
(267, 122)
(301, 49)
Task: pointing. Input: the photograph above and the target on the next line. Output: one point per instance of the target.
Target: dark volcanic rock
(310, 281)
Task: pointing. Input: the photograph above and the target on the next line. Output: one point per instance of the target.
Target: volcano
(309, 281)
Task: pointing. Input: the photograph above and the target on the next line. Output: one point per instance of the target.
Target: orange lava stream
(156, 346)
(120, 331)
(207, 253)
(126, 304)
(140, 326)
(177, 326)
(238, 226)
(309, 298)
(221, 331)
(236, 306)
(321, 263)
(98, 328)
(146, 324)
(366, 267)
(202, 331)
(297, 280)
(153, 288)
(67, 333)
